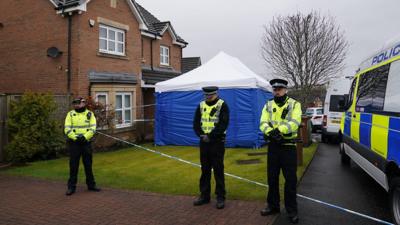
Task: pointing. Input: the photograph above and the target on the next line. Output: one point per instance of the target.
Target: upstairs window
(111, 40)
(164, 55)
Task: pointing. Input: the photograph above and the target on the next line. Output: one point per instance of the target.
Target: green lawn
(133, 168)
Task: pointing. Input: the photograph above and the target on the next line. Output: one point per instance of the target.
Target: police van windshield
(334, 103)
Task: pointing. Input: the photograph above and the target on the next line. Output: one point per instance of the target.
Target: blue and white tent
(244, 91)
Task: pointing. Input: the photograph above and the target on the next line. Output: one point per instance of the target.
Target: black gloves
(205, 138)
(81, 139)
(275, 135)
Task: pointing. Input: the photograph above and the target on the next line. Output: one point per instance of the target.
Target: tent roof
(222, 70)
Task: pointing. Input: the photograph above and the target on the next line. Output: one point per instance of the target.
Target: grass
(136, 169)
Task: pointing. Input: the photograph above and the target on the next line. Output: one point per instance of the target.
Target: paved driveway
(33, 201)
(326, 179)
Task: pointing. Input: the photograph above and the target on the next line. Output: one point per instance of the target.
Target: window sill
(166, 66)
(107, 55)
(124, 129)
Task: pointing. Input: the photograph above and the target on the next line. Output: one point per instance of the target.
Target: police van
(336, 91)
(370, 127)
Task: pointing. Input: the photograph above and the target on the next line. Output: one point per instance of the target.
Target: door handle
(354, 116)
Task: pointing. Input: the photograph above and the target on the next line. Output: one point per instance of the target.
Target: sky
(236, 26)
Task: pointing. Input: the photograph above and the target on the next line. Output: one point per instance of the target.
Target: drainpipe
(69, 54)
(151, 52)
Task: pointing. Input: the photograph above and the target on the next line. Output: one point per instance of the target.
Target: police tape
(143, 106)
(251, 181)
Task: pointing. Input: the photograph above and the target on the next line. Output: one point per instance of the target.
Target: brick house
(113, 50)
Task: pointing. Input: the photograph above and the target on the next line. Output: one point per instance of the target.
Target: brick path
(34, 201)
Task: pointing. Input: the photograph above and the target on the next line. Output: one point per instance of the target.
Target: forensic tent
(244, 92)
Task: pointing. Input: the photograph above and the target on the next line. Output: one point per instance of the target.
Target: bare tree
(307, 50)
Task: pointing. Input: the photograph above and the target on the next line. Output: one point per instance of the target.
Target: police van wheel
(395, 199)
(343, 156)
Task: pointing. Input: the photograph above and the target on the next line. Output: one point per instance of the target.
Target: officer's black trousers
(282, 157)
(212, 156)
(76, 150)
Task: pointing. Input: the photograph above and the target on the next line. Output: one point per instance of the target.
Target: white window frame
(164, 55)
(102, 93)
(123, 109)
(97, 94)
(116, 41)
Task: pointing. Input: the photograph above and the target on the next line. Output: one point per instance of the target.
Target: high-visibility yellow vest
(271, 118)
(208, 121)
(80, 123)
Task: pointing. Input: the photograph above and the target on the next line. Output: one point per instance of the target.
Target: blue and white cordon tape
(251, 181)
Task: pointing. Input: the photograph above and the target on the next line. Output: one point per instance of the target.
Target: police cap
(278, 83)
(210, 90)
(77, 100)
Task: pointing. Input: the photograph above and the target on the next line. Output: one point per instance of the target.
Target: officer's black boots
(220, 204)
(201, 201)
(269, 211)
(70, 191)
(294, 219)
(95, 189)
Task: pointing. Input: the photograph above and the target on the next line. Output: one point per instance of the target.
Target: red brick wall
(29, 28)
(89, 44)
(146, 50)
(175, 51)
(32, 26)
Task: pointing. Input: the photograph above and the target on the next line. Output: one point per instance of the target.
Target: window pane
(371, 90)
(111, 34)
(118, 102)
(380, 90)
(120, 48)
(334, 103)
(351, 93)
(118, 117)
(111, 46)
(392, 103)
(161, 51)
(127, 101)
(102, 99)
(310, 112)
(320, 112)
(127, 116)
(103, 32)
(120, 36)
(103, 44)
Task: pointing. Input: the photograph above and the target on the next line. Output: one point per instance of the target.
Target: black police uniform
(212, 152)
(281, 155)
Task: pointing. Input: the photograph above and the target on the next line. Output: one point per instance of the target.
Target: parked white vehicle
(336, 91)
(316, 114)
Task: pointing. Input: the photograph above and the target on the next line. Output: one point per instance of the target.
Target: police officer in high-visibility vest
(280, 121)
(80, 126)
(210, 124)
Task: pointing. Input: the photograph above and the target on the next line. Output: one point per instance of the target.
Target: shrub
(105, 114)
(33, 131)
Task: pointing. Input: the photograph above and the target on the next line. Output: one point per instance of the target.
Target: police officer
(80, 126)
(280, 120)
(210, 124)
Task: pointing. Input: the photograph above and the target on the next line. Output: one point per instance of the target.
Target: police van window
(392, 103)
(351, 93)
(372, 89)
(334, 103)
